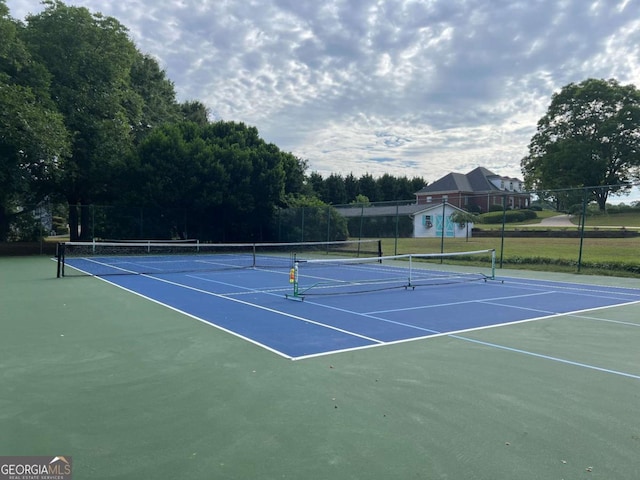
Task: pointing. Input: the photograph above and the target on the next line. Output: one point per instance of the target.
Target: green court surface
(133, 390)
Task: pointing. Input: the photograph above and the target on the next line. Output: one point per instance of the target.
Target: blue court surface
(252, 303)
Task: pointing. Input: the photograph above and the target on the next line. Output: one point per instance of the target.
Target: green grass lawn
(629, 220)
(614, 220)
(608, 256)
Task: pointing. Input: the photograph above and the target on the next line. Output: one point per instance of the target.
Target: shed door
(449, 226)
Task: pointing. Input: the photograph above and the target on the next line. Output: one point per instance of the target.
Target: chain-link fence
(564, 227)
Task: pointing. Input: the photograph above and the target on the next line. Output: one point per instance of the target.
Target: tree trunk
(4, 225)
(601, 198)
(73, 222)
(86, 223)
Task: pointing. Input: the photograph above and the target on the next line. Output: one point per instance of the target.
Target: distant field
(553, 254)
(602, 249)
(614, 220)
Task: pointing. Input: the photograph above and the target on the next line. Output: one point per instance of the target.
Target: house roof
(477, 180)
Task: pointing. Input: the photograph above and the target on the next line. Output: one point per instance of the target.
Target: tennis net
(408, 271)
(158, 257)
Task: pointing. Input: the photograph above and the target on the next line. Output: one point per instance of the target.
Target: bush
(622, 208)
(25, 228)
(511, 216)
(474, 209)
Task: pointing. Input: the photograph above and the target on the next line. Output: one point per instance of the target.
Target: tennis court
(438, 372)
(346, 303)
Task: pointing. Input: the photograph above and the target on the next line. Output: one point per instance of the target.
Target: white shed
(431, 220)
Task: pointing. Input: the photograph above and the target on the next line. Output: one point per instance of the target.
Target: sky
(416, 88)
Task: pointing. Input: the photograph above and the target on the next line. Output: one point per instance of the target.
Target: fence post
(443, 224)
(328, 223)
(279, 224)
(395, 249)
(584, 220)
(504, 220)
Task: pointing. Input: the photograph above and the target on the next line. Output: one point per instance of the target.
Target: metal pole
(444, 211)
(279, 224)
(504, 220)
(584, 220)
(397, 220)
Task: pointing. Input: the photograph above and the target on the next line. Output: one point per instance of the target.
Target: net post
(254, 256)
(380, 250)
(293, 279)
(493, 264)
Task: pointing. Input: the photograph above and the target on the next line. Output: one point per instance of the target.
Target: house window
(429, 199)
(445, 198)
(426, 221)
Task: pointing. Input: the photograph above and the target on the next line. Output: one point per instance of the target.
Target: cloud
(402, 86)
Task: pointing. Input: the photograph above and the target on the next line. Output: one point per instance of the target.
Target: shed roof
(379, 211)
(390, 210)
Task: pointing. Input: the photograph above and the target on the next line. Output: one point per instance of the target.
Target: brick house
(476, 191)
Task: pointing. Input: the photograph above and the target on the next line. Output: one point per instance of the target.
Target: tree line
(87, 119)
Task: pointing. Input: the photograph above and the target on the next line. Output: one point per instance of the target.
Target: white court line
(379, 343)
(617, 322)
(190, 315)
(548, 357)
(259, 307)
(578, 287)
(110, 265)
(351, 312)
(463, 302)
(457, 335)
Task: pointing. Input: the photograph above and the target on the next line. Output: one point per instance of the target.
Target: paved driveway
(558, 221)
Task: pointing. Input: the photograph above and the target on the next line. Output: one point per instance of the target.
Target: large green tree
(194, 111)
(218, 181)
(156, 103)
(589, 138)
(89, 58)
(33, 138)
